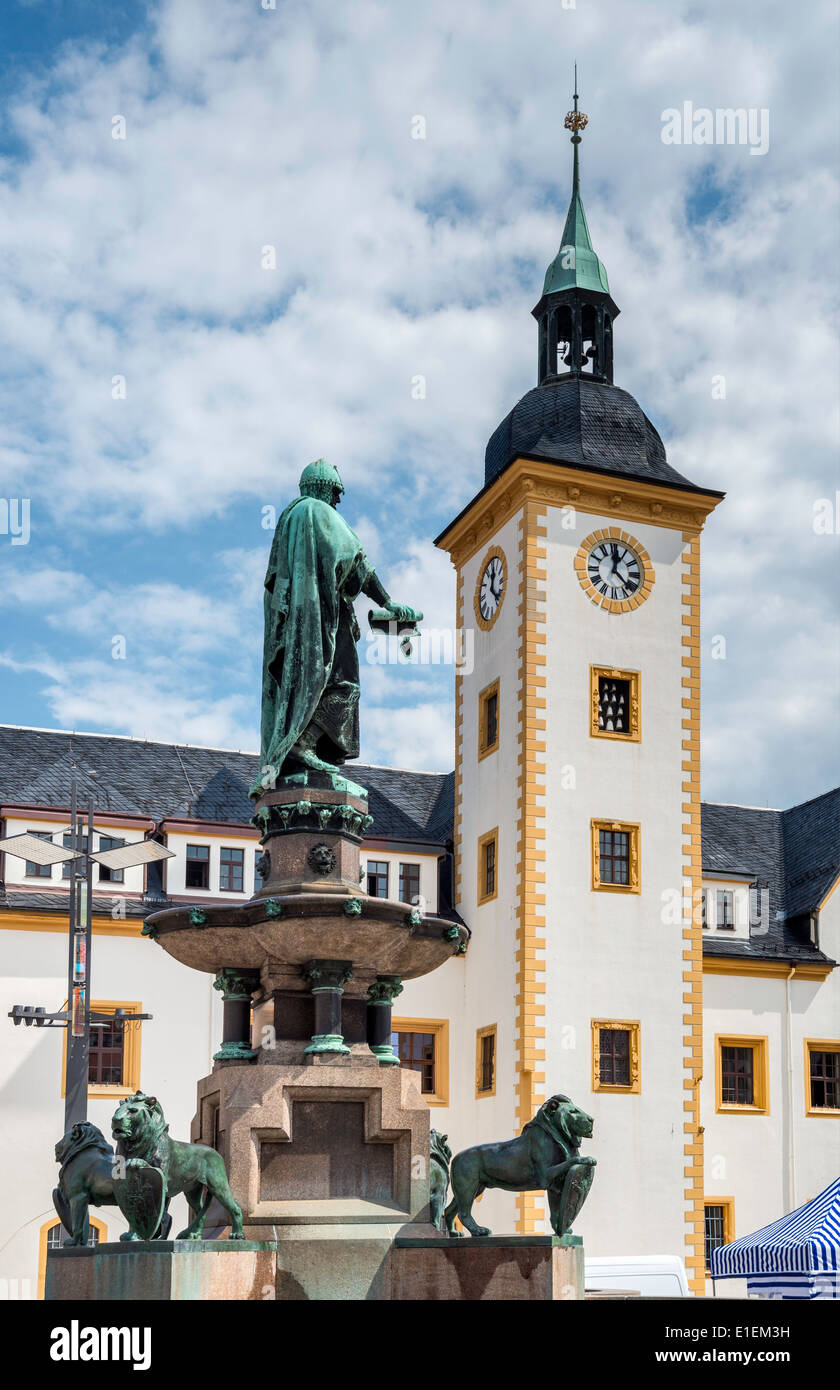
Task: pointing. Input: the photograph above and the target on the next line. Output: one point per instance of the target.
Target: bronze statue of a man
(310, 686)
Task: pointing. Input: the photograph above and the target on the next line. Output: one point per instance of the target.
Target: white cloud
(398, 257)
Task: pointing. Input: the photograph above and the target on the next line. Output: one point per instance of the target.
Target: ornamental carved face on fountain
(321, 860)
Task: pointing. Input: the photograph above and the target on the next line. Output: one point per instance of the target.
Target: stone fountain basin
(312, 926)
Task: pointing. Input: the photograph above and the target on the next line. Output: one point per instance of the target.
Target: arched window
(52, 1237)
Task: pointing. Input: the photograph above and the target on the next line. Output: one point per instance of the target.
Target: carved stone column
(326, 979)
(381, 995)
(236, 988)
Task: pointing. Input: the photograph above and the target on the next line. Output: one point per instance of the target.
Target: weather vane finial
(576, 120)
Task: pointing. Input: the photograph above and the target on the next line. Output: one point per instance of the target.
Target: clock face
(614, 569)
(490, 589)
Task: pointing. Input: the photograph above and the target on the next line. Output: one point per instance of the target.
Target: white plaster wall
(176, 869)
(611, 955)
(176, 1051)
(480, 989)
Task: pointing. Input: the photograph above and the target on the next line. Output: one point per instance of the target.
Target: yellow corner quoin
(615, 605)
(634, 1028)
(530, 831)
(818, 1045)
(728, 1205)
(634, 714)
(131, 1051)
(633, 831)
(761, 1089)
(95, 1221)
(692, 930)
(490, 838)
(480, 1034)
(439, 1028)
(486, 744)
(494, 553)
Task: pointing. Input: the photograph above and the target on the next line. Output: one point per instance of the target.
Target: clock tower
(577, 818)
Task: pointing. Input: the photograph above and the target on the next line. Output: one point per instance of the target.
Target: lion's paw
(239, 1235)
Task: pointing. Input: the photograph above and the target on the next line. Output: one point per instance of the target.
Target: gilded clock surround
(494, 553)
(615, 605)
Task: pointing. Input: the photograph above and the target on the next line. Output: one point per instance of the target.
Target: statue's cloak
(310, 664)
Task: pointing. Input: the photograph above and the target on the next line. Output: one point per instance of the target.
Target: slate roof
(585, 423)
(178, 781)
(794, 854)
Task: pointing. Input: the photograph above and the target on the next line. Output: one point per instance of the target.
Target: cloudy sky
(291, 127)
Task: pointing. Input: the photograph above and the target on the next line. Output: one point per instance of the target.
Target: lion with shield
(544, 1157)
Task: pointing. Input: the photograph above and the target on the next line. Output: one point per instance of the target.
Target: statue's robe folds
(310, 663)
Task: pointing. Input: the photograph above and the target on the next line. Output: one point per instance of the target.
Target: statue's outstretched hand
(403, 613)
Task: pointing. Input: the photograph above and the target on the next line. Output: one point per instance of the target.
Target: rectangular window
(114, 1055)
(377, 878)
(231, 870)
(67, 841)
(485, 1061)
(488, 720)
(614, 704)
(615, 856)
(422, 1045)
(616, 1055)
(416, 1051)
(488, 878)
(106, 1056)
(107, 875)
(704, 908)
(409, 883)
(39, 870)
(741, 1074)
(719, 1225)
(822, 1076)
(725, 909)
(198, 866)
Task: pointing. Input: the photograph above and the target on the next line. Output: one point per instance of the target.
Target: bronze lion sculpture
(142, 1136)
(544, 1157)
(440, 1154)
(85, 1178)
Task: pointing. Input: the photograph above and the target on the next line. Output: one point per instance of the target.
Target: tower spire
(576, 311)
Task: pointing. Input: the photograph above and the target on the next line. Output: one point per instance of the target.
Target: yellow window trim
(728, 1204)
(631, 1026)
(485, 749)
(630, 828)
(634, 735)
(131, 1051)
(483, 841)
(817, 1045)
(761, 1086)
(48, 1226)
(440, 1028)
(489, 1032)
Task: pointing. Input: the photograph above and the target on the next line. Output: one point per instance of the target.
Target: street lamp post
(77, 1017)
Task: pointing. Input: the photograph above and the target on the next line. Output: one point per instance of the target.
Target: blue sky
(143, 258)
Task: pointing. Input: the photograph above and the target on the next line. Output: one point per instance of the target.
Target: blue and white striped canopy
(797, 1256)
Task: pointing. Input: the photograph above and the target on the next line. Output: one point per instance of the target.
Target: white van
(653, 1276)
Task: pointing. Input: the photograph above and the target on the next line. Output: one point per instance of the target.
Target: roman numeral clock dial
(490, 588)
(614, 570)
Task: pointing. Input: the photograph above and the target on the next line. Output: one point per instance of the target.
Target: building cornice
(763, 969)
(568, 485)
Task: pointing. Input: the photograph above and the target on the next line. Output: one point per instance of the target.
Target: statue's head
(138, 1123)
(573, 1123)
(320, 479)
